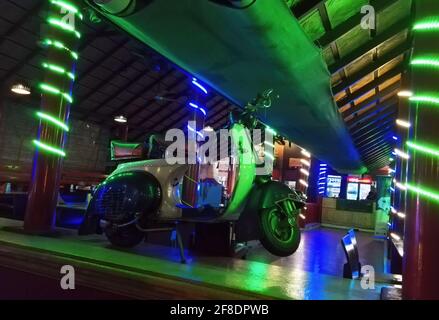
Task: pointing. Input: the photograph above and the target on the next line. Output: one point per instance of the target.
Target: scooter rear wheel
(277, 235)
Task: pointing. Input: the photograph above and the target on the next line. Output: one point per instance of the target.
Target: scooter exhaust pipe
(116, 7)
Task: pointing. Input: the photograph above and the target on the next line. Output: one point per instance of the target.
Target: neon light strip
(427, 99)
(303, 182)
(401, 215)
(193, 105)
(67, 6)
(427, 25)
(64, 26)
(53, 120)
(54, 90)
(425, 62)
(195, 83)
(305, 162)
(305, 172)
(423, 148)
(60, 45)
(403, 123)
(399, 185)
(58, 69)
(48, 148)
(306, 153)
(423, 192)
(402, 154)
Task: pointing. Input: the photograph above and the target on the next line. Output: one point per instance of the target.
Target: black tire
(125, 237)
(277, 235)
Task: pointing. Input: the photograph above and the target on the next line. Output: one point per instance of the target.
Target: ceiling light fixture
(120, 119)
(20, 89)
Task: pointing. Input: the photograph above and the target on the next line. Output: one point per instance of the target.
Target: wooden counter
(141, 274)
(349, 213)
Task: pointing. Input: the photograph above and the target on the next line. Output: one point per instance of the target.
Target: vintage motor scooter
(149, 194)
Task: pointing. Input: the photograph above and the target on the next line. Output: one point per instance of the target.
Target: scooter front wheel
(278, 236)
(124, 237)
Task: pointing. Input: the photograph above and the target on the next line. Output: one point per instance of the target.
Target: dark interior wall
(87, 145)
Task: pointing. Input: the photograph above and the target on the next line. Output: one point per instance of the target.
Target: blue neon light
(193, 105)
(321, 182)
(198, 85)
(395, 138)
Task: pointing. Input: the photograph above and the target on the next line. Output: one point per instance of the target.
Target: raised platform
(153, 272)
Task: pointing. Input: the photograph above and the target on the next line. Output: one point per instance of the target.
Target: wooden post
(421, 236)
(60, 40)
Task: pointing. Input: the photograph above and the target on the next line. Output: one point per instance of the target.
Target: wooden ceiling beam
(304, 8)
(352, 22)
(372, 67)
(371, 86)
(380, 108)
(392, 31)
(373, 99)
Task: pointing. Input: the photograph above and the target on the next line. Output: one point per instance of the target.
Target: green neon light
(434, 195)
(49, 88)
(48, 148)
(425, 98)
(430, 24)
(58, 69)
(247, 168)
(67, 6)
(53, 120)
(423, 148)
(64, 26)
(54, 90)
(426, 62)
(60, 45)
